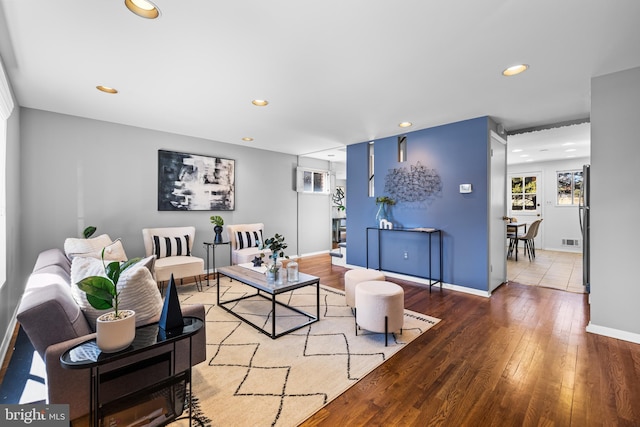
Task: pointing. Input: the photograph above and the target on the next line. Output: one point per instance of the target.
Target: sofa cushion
(112, 252)
(48, 312)
(138, 290)
(166, 246)
(74, 245)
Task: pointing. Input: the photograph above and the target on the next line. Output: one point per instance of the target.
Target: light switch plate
(465, 188)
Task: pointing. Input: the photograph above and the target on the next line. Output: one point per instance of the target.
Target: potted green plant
(88, 232)
(115, 329)
(277, 246)
(218, 222)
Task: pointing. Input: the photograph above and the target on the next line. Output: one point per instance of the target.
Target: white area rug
(252, 380)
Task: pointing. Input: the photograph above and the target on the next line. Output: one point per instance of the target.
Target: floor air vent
(570, 242)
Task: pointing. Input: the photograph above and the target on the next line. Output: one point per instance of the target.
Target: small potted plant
(218, 222)
(115, 329)
(274, 269)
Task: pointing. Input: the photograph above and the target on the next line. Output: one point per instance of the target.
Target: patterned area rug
(252, 380)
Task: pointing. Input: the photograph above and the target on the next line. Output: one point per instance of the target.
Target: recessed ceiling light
(260, 102)
(524, 155)
(570, 150)
(517, 150)
(515, 69)
(106, 89)
(568, 143)
(143, 8)
(405, 124)
(247, 138)
(529, 160)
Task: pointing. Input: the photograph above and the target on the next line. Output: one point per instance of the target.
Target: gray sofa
(54, 323)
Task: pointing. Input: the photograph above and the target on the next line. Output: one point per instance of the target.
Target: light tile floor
(550, 269)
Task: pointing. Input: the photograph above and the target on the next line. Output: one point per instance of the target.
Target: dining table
(512, 233)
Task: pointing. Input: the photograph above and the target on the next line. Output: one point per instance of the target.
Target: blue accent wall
(459, 153)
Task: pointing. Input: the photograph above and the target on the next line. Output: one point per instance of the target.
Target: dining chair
(528, 239)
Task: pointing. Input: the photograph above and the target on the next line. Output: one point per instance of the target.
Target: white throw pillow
(112, 252)
(166, 246)
(248, 239)
(138, 290)
(74, 245)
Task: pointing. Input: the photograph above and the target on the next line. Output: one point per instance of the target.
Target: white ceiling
(334, 72)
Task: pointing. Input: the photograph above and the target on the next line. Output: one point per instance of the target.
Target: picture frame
(194, 182)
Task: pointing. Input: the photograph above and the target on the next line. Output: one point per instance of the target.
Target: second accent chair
(173, 247)
(245, 242)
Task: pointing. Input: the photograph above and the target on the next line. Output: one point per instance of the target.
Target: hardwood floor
(519, 358)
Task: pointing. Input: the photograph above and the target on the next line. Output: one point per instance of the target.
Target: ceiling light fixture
(260, 102)
(143, 8)
(515, 69)
(247, 138)
(517, 150)
(405, 124)
(106, 89)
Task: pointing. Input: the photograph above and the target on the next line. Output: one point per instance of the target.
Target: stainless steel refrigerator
(583, 211)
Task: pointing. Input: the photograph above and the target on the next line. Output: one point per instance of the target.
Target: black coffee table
(268, 291)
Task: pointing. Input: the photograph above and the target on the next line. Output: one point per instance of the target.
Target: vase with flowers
(277, 246)
(384, 204)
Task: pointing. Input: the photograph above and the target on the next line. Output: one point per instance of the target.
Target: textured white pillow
(138, 290)
(112, 252)
(74, 245)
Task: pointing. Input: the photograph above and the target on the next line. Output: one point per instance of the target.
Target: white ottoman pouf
(353, 277)
(379, 307)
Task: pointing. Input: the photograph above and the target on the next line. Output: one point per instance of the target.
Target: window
(3, 202)
(371, 170)
(312, 181)
(569, 186)
(402, 148)
(524, 192)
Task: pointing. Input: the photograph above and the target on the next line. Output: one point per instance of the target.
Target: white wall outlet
(466, 188)
(406, 255)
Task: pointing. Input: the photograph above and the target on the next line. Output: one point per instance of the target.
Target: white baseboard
(425, 283)
(613, 333)
(6, 341)
(315, 253)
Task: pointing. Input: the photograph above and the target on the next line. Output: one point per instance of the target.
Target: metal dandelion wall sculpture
(414, 185)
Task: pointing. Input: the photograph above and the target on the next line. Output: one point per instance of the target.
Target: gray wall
(314, 214)
(615, 150)
(77, 172)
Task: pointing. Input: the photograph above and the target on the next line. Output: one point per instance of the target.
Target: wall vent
(570, 242)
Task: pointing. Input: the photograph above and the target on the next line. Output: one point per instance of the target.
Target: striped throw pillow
(248, 239)
(165, 246)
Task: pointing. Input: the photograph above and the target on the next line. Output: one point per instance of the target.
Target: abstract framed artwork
(192, 182)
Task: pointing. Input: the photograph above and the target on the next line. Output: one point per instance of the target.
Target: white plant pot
(115, 335)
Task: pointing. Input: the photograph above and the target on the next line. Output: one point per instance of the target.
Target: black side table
(154, 400)
(212, 246)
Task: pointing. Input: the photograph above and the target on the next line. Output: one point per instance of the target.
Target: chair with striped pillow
(245, 241)
(173, 247)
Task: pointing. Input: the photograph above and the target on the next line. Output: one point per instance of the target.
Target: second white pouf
(355, 276)
(379, 307)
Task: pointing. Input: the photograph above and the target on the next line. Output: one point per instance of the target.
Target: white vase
(115, 335)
